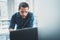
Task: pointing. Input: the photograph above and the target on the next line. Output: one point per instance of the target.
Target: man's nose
(24, 13)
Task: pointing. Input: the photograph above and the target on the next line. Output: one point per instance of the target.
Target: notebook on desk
(24, 34)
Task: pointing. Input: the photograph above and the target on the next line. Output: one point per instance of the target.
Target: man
(23, 18)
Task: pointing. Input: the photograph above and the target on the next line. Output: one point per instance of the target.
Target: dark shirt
(21, 23)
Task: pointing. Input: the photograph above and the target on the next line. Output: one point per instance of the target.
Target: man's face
(23, 11)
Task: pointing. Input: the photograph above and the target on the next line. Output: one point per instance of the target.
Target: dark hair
(23, 4)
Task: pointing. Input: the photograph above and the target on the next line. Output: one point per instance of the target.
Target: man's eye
(25, 11)
(22, 12)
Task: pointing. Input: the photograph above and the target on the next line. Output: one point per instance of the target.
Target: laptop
(24, 34)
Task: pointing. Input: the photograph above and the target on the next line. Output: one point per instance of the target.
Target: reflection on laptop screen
(24, 34)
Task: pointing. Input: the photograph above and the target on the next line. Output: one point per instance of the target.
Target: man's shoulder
(30, 13)
(15, 14)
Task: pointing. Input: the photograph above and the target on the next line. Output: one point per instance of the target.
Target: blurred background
(46, 14)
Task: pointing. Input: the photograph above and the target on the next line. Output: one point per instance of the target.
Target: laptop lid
(24, 34)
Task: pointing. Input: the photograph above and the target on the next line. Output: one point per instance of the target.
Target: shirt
(21, 23)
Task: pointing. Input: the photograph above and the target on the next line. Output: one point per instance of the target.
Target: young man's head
(23, 9)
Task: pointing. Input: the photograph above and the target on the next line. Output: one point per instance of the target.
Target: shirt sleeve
(31, 20)
(12, 22)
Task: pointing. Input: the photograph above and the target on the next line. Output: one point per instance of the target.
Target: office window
(3, 20)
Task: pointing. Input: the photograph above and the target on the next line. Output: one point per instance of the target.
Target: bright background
(46, 13)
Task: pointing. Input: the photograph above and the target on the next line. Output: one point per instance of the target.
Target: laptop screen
(24, 34)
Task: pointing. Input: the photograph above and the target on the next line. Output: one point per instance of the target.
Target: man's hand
(11, 30)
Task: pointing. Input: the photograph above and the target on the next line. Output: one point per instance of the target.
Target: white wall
(49, 18)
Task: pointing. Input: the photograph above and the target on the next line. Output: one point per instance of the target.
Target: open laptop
(24, 34)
